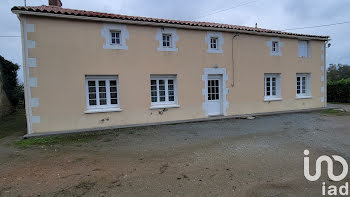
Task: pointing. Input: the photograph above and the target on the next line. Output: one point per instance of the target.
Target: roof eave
(147, 23)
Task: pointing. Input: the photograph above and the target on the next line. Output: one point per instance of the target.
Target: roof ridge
(76, 12)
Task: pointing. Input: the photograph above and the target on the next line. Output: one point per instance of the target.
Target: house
(88, 70)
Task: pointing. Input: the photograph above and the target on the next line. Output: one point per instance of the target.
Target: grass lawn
(334, 112)
(339, 103)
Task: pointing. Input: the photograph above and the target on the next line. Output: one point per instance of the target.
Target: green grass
(13, 124)
(53, 140)
(339, 103)
(333, 112)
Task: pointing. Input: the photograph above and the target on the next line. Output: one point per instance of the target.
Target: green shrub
(339, 91)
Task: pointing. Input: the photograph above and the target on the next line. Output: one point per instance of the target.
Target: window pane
(162, 93)
(114, 101)
(92, 96)
(92, 102)
(91, 83)
(92, 89)
(103, 102)
(154, 99)
(102, 89)
(113, 89)
(153, 82)
(102, 83)
(113, 83)
(102, 95)
(154, 93)
(113, 95)
(162, 99)
(171, 98)
(274, 90)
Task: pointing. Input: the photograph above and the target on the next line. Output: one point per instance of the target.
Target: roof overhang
(156, 24)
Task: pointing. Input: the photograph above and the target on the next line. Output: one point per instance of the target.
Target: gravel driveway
(233, 157)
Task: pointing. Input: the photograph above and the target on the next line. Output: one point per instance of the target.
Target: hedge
(339, 91)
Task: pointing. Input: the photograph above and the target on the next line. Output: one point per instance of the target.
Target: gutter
(165, 25)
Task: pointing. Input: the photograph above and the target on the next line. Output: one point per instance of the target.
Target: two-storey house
(88, 70)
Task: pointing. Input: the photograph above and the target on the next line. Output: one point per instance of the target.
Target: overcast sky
(270, 14)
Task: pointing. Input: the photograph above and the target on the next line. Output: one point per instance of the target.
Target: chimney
(55, 3)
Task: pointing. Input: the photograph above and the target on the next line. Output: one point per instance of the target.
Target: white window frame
(106, 33)
(167, 41)
(173, 39)
(304, 49)
(278, 94)
(216, 39)
(307, 83)
(166, 103)
(101, 108)
(219, 42)
(119, 37)
(275, 46)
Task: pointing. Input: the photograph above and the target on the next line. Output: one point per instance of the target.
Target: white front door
(214, 95)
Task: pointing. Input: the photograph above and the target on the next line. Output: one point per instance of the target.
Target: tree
(8, 76)
(338, 72)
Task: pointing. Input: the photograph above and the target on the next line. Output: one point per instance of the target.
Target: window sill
(272, 99)
(303, 97)
(91, 111)
(167, 49)
(164, 106)
(215, 51)
(116, 46)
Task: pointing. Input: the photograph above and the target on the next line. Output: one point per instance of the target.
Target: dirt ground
(234, 157)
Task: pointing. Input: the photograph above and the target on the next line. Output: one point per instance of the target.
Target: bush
(339, 91)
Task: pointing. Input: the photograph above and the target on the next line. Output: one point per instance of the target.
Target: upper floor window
(275, 47)
(304, 48)
(163, 90)
(303, 85)
(215, 40)
(213, 43)
(272, 87)
(115, 36)
(166, 40)
(102, 92)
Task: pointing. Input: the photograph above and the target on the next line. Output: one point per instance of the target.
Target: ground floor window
(272, 86)
(303, 85)
(163, 89)
(102, 92)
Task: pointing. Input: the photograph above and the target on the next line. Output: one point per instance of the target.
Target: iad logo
(332, 189)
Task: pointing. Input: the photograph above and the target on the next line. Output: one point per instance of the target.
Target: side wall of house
(67, 50)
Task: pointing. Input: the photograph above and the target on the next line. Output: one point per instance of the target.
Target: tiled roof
(72, 12)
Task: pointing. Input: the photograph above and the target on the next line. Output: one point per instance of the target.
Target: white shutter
(302, 49)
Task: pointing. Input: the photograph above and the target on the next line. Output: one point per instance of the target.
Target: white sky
(270, 14)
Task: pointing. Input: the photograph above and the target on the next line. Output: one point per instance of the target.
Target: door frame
(224, 90)
(215, 77)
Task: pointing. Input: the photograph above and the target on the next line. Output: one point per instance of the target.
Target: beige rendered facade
(60, 53)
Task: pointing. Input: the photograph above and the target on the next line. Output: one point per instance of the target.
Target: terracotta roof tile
(65, 11)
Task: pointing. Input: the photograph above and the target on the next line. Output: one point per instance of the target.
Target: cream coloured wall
(67, 50)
